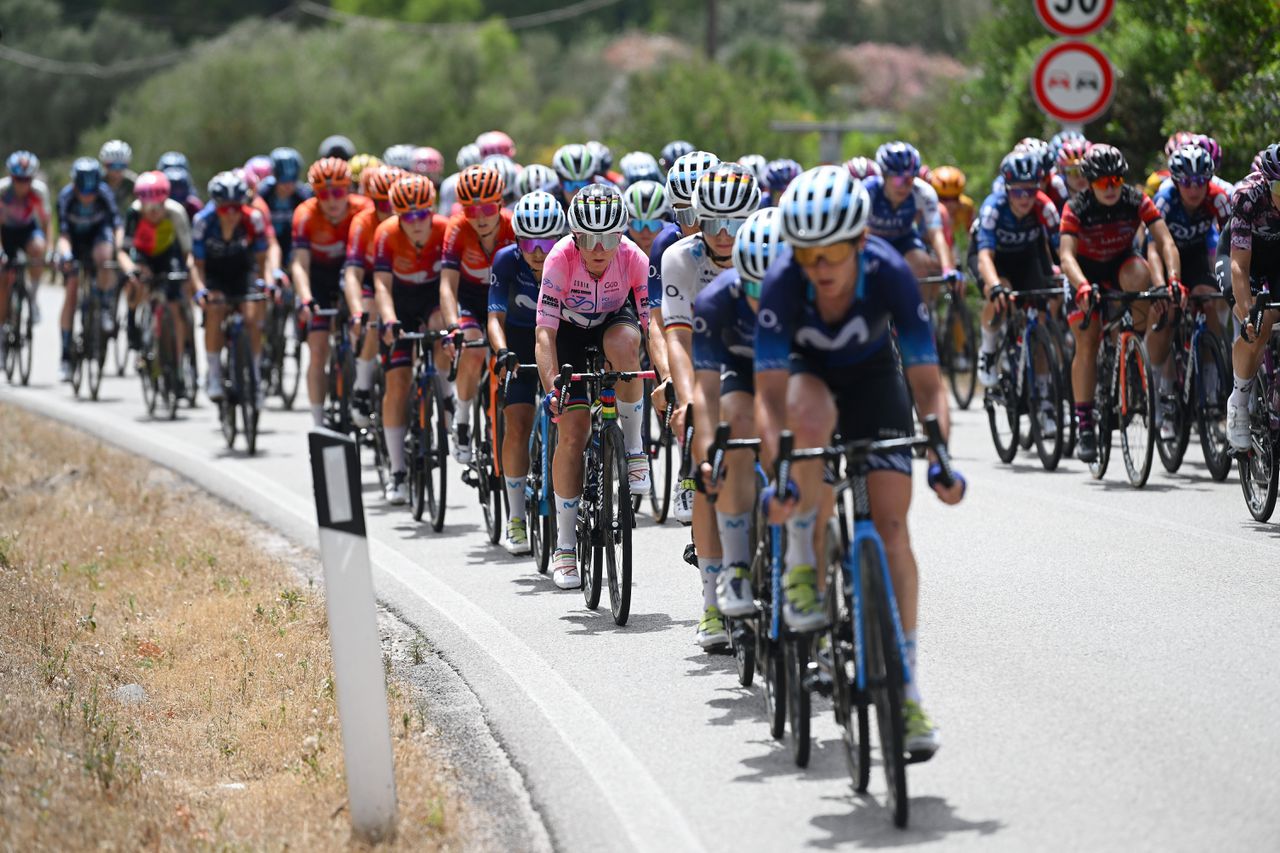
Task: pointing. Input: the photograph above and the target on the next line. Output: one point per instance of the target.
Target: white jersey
(686, 269)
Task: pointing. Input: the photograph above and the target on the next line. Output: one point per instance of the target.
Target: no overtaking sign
(1073, 82)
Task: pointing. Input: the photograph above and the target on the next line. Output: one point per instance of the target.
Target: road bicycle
(19, 329)
(956, 334)
(341, 371)
(159, 361)
(89, 342)
(1257, 466)
(605, 515)
(239, 385)
(658, 442)
(283, 343)
(539, 493)
(427, 439)
(1198, 391)
(483, 472)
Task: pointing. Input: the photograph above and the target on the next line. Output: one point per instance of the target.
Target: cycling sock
(461, 412)
(1240, 388)
(364, 373)
(735, 538)
(800, 539)
(317, 414)
(710, 569)
(395, 447)
(990, 339)
(66, 344)
(1084, 415)
(911, 690)
(1042, 385)
(214, 360)
(256, 361)
(632, 417)
(567, 522)
(515, 496)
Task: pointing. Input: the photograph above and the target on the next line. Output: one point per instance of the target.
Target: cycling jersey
(282, 209)
(1254, 216)
(327, 241)
(411, 267)
(920, 208)
(686, 269)
(228, 261)
(82, 221)
(360, 241)
(513, 289)
(463, 251)
(31, 209)
(667, 237)
(1000, 231)
(1106, 233)
(887, 297)
(145, 239)
(569, 293)
(1055, 187)
(724, 326)
(1193, 228)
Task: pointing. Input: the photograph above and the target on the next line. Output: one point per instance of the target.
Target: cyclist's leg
(104, 252)
(7, 246)
(922, 265)
(1084, 365)
(572, 432)
(214, 312)
(71, 298)
(36, 248)
(811, 416)
(621, 345)
(467, 385)
(517, 414)
(324, 291)
(397, 379)
(737, 491)
(367, 348)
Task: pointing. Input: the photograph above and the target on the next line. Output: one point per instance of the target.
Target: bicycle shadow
(600, 621)
(825, 760)
(718, 662)
(1123, 486)
(536, 584)
(869, 823)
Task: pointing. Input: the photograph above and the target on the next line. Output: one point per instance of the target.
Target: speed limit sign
(1074, 17)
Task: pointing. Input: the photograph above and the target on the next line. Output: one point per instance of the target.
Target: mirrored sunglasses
(837, 253)
(1022, 192)
(654, 225)
(1107, 182)
(476, 211)
(416, 215)
(529, 245)
(686, 216)
(1193, 181)
(715, 226)
(587, 242)
(331, 193)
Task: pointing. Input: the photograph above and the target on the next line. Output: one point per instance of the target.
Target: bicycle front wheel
(248, 392)
(95, 347)
(421, 490)
(615, 518)
(960, 340)
(1045, 411)
(850, 705)
(1001, 402)
(25, 327)
(1258, 471)
(119, 342)
(437, 458)
(884, 679)
(798, 706)
(1212, 385)
(1137, 410)
(487, 484)
(660, 468)
(291, 368)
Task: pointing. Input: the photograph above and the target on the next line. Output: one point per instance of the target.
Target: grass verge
(119, 581)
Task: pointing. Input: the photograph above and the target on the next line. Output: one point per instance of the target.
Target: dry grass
(114, 573)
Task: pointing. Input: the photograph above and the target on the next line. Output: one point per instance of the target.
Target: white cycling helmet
(115, 152)
(646, 200)
(756, 245)
(468, 155)
(510, 174)
(598, 209)
(538, 215)
(757, 163)
(535, 177)
(400, 156)
(683, 177)
(824, 205)
(640, 166)
(574, 162)
(729, 191)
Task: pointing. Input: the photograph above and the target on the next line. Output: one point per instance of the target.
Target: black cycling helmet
(337, 146)
(1268, 162)
(1101, 161)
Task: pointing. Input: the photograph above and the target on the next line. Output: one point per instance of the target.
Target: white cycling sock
(256, 361)
(214, 362)
(911, 690)
(515, 496)
(395, 446)
(317, 414)
(735, 538)
(1240, 389)
(710, 568)
(461, 411)
(567, 522)
(990, 339)
(632, 417)
(800, 540)
(364, 373)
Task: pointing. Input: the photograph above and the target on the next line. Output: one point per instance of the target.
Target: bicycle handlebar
(862, 448)
(1126, 298)
(722, 445)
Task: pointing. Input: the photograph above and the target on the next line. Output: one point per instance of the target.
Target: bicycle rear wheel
(1209, 396)
(1044, 412)
(1103, 411)
(437, 458)
(960, 339)
(95, 346)
(1170, 406)
(660, 468)
(591, 522)
(1137, 411)
(1001, 402)
(775, 688)
(850, 706)
(25, 327)
(1257, 467)
(540, 524)
(248, 392)
(421, 490)
(616, 519)
(490, 491)
(166, 376)
(884, 678)
(119, 342)
(798, 705)
(291, 369)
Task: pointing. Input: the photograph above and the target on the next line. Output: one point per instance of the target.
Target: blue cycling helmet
(172, 158)
(756, 246)
(179, 183)
(779, 174)
(228, 187)
(286, 164)
(1190, 161)
(23, 164)
(898, 158)
(86, 175)
(1022, 167)
(673, 151)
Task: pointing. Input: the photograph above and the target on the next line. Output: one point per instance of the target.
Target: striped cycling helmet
(729, 191)
(758, 165)
(780, 173)
(574, 162)
(538, 215)
(682, 177)
(756, 245)
(378, 181)
(824, 205)
(898, 158)
(412, 193)
(598, 209)
(647, 200)
(640, 166)
(479, 185)
(862, 167)
(536, 177)
(329, 172)
(1190, 161)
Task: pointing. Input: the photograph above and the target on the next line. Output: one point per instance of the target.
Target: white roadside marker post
(353, 636)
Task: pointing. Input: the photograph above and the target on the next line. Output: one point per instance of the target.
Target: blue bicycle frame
(542, 431)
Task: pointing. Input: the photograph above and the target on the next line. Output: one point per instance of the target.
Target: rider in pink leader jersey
(570, 294)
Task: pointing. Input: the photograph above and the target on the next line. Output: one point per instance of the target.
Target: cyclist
(640, 166)
(336, 146)
(1208, 143)
(682, 180)
(862, 167)
(577, 165)
(1097, 252)
(429, 162)
(399, 156)
(229, 247)
(724, 197)
(283, 195)
(1194, 208)
(361, 162)
(1068, 161)
(87, 224)
(538, 222)
(447, 199)
(115, 156)
(538, 177)
(778, 175)
(948, 182)
(171, 159)
(1176, 140)
(180, 190)
(605, 157)
(1249, 256)
(320, 228)
(825, 363)
(474, 237)
(1053, 184)
(647, 210)
(723, 355)
(904, 212)
(493, 142)
(594, 266)
(157, 242)
(358, 287)
(408, 249)
(510, 172)
(24, 222)
(1010, 253)
(758, 164)
(673, 151)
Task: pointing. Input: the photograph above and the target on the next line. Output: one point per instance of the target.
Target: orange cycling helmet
(480, 185)
(329, 172)
(377, 182)
(948, 181)
(412, 193)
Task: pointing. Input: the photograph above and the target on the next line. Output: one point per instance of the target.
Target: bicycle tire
(247, 392)
(1048, 445)
(850, 706)
(1137, 412)
(540, 536)
(488, 488)
(26, 330)
(13, 330)
(1001, 403)
(167, 375)
(1172, 452)
(421, 491)
(147, 355)
(885, 682)
(227, 417)
(743, 640)
(95, 347)
(1257, 467)
(775, 688)
(660, 471)
(119, 343)
(294, 344)
(618, 518)
(1210, 400)
(960, 323)
(1103, 409)
(590, 521)
(437, 457)
(798, 699)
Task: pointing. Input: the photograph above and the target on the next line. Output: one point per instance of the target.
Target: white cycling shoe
(565, 575)
(1238, 423)
(683, 509)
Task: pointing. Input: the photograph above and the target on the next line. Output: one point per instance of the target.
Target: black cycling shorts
(572, 342)
(414, 307)
(523, 389)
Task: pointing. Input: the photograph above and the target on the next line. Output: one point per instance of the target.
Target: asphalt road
(1100, 659)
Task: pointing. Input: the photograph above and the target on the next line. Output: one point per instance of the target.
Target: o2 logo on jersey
(672, 290)
(767, 319)
(653, 271)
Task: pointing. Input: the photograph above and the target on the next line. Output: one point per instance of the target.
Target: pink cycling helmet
(427, 161)
(151, 187)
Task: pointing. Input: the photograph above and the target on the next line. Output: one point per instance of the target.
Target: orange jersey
(409, 265)
(462, 250)
(327, 241)
(360, 239)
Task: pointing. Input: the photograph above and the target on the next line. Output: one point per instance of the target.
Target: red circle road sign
(1073, 82)
(1074, 17)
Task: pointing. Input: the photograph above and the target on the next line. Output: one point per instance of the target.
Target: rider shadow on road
(825, 760)
(869, 824)
(534, 584)
(601, 621)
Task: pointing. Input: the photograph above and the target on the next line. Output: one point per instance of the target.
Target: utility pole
(711, 30)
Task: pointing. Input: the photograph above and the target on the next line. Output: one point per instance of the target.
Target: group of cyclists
(762, 295)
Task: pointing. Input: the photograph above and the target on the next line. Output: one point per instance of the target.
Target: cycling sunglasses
(901, 178)
(154, 197)
(1107, 182)
(716, 225)
(1022, 192)
(836, 253)
(476, 211)
(587, 242)
(117, 167)
(573, 186)
(529, 245)
(654, 225)
(1193, 181)
(331, 193)
(686, 216)
(416, 215)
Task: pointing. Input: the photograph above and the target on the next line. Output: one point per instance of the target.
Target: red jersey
(463, 252)
(1105, 233)
(409, 265)
(327, 241)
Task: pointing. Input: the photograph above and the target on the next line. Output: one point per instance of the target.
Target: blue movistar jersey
(78, 219)
(920, 209)
(667, 237)
(886, 293)
(513, 288)
(999, 230)
(282, 210)
(724, 326)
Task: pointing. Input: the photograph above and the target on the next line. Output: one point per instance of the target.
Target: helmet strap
(721, 260)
